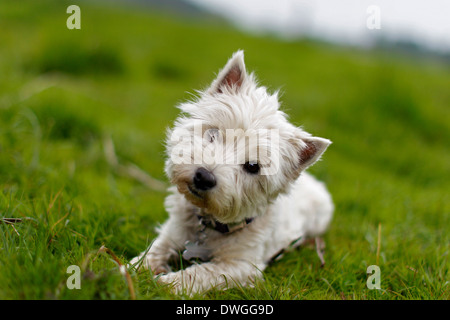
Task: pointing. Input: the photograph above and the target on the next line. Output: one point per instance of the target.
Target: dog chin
(203, 201)
(192, 195)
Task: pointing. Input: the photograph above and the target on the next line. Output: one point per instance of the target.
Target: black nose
(204, 179)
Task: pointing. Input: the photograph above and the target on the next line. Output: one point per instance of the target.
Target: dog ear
(311, 149)
(231, 76)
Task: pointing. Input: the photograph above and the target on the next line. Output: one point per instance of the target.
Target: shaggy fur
(286, 204)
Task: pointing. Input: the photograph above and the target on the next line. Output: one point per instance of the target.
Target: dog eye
(251, 167)
(212, 134)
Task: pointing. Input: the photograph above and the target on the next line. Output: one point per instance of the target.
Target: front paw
(181, 282)
(173, 280)
(149, 262)
(190, 281)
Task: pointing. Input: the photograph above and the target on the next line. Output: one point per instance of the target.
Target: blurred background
(83, 115)
(401, 22)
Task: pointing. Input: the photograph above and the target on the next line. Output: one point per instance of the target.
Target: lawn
(68, 95)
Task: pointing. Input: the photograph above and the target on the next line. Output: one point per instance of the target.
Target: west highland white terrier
(240, 194)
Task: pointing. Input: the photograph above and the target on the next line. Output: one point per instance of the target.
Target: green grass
(63, 91)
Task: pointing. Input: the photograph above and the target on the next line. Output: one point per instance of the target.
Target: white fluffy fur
(286, 206)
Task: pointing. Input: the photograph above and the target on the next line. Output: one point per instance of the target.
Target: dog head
(233, 151)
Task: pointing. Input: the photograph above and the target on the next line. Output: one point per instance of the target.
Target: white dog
(241, 195)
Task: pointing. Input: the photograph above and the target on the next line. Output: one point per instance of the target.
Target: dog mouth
(194, 192)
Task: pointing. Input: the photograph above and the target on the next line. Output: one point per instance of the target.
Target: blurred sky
(426, 23)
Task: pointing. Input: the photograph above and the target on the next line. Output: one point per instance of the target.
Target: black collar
(222, 227)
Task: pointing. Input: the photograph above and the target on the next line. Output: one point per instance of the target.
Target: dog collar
(199, 249)
(222, 227)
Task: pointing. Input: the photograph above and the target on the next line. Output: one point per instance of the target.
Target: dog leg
(171, 239)
(199, 278)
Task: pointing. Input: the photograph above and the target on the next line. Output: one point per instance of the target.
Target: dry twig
(122, 268)
(130, 170)
(379, 243)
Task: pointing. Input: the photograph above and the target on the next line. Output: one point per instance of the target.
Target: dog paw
(148, 262)
(173, 280)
